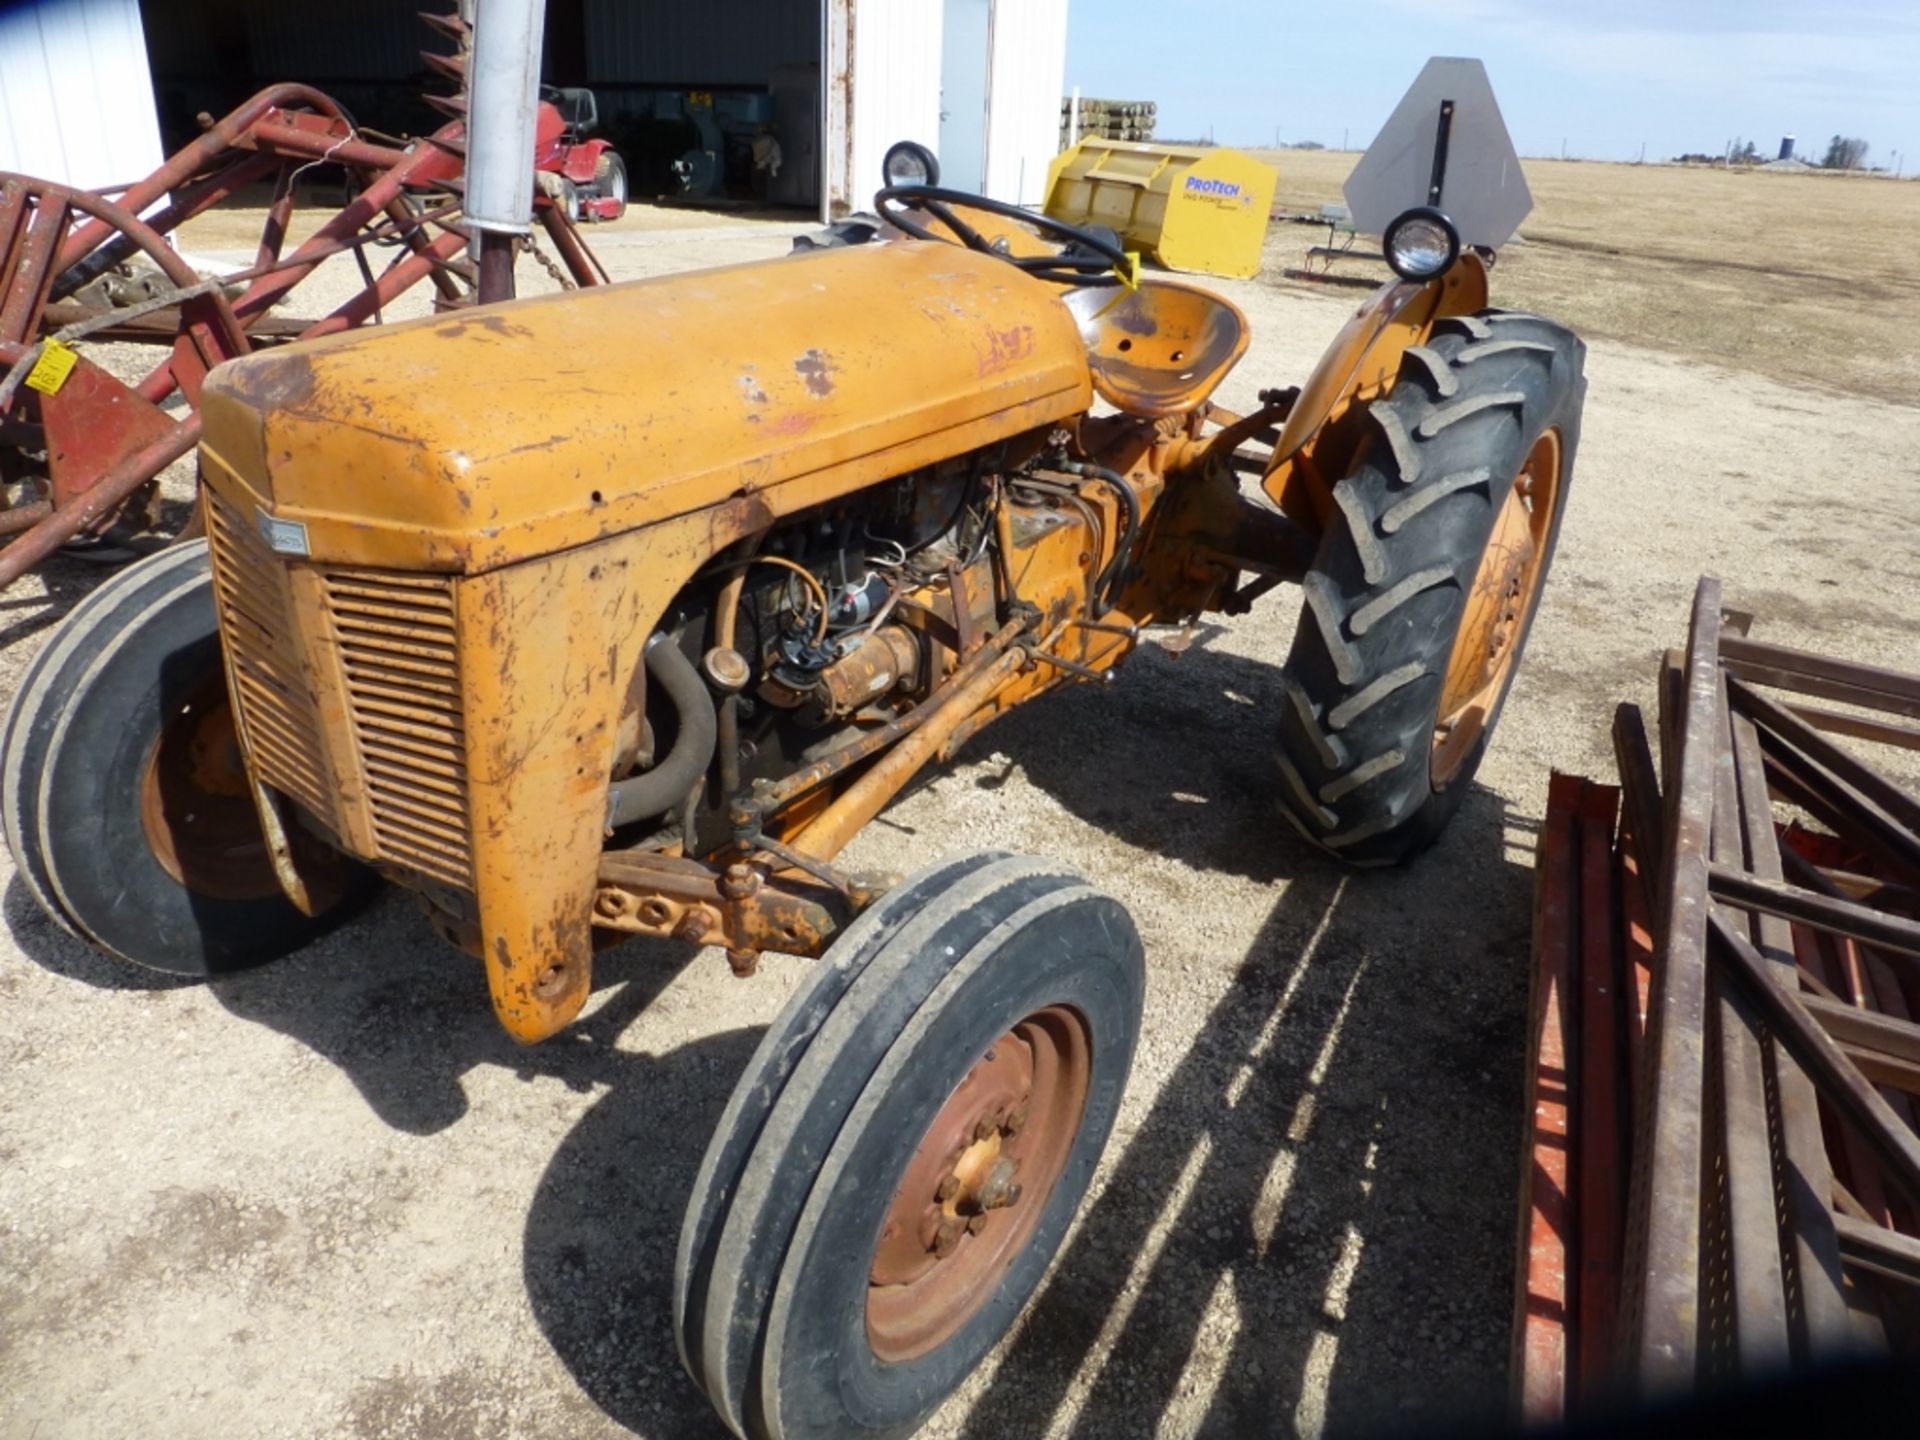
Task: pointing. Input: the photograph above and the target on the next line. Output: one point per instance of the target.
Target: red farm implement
(80, 445)
(1721, 1181)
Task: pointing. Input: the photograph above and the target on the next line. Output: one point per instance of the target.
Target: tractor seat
(1160, 349)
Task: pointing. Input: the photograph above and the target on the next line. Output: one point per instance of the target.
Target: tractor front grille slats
(390, 776)
(276, 706)
(399, 657)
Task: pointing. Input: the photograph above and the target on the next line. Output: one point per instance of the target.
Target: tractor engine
(836, 621)
(882, 573)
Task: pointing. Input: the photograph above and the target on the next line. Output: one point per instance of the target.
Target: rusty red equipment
(1722, 1176)
(77, 443)
(583, 175)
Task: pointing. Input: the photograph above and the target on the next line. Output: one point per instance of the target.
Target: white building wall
(1023, 126)
(889, 53)
(76, 96)
(882, 63)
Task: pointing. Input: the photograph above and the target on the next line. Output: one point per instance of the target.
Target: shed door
(966, 53)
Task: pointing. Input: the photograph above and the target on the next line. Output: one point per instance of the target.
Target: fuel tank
(474, 440)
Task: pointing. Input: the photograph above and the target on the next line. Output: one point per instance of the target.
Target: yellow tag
(1129, 282)
(50, 371)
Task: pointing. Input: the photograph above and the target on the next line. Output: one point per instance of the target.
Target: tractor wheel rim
(977, 1184)
(1500, 604)
(196, 804)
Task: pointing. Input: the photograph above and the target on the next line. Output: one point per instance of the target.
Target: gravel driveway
(331, 1198)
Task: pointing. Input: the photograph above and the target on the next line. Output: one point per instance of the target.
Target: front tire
(903, 1156)
(1425, 585)
(125, 800)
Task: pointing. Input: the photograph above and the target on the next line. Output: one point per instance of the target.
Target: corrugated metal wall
(342, 39)
(76, 100)
(212, 54)
(1029, 67)
(719, 42)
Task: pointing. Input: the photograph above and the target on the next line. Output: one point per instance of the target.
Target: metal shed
(978, 81)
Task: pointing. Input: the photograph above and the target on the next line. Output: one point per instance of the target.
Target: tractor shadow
(1176, 758)
(402, 1014)
(64, 583)
(604, 1226)
(1310, 1229)
(404, 1017)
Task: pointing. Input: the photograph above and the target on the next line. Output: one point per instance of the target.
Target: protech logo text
(1212, 187)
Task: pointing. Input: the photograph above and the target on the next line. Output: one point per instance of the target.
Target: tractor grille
(392, 779)
(400, 660)
(276, 708)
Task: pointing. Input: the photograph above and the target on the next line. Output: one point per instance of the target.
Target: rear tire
(955, 980)
(124, 797)
(610, 182)
(1424, 588)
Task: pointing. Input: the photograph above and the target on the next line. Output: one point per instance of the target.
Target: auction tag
(51, 370)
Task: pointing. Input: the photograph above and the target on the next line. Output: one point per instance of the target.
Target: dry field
(1805, 278)
(330, 1198)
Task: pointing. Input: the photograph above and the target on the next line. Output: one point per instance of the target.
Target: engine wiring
(817, 590)
(847, 576)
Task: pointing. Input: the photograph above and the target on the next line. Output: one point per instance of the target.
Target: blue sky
(1679, 76)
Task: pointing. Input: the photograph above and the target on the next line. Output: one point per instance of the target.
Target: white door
(1029, 77)
(76, 97)
(965, 61)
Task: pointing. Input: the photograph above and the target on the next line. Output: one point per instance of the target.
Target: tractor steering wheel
(1089, 257)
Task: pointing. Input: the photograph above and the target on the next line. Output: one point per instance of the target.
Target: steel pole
(503, 99)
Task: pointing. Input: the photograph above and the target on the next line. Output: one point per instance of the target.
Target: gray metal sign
(1446, 146)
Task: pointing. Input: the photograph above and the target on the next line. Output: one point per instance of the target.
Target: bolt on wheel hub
(976, 1184)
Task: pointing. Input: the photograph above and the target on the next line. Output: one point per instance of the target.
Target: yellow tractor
(619, 612)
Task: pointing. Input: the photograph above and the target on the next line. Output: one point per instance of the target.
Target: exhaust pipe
(503, 99)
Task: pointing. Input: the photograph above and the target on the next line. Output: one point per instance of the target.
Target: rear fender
(579, 162)
(549, 143)
(1358, 367)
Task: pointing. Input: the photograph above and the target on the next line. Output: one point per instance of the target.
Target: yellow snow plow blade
(1188, 207)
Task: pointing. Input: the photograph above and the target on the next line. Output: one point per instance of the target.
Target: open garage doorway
(683, 92)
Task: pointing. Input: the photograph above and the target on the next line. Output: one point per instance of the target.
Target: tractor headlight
(908, 162)
(1421, 244)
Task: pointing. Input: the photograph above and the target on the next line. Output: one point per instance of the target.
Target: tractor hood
(473, 440)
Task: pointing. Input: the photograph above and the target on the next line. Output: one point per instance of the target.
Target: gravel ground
(331, 1198)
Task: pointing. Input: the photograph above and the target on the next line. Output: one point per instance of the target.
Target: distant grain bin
(1786, 147)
